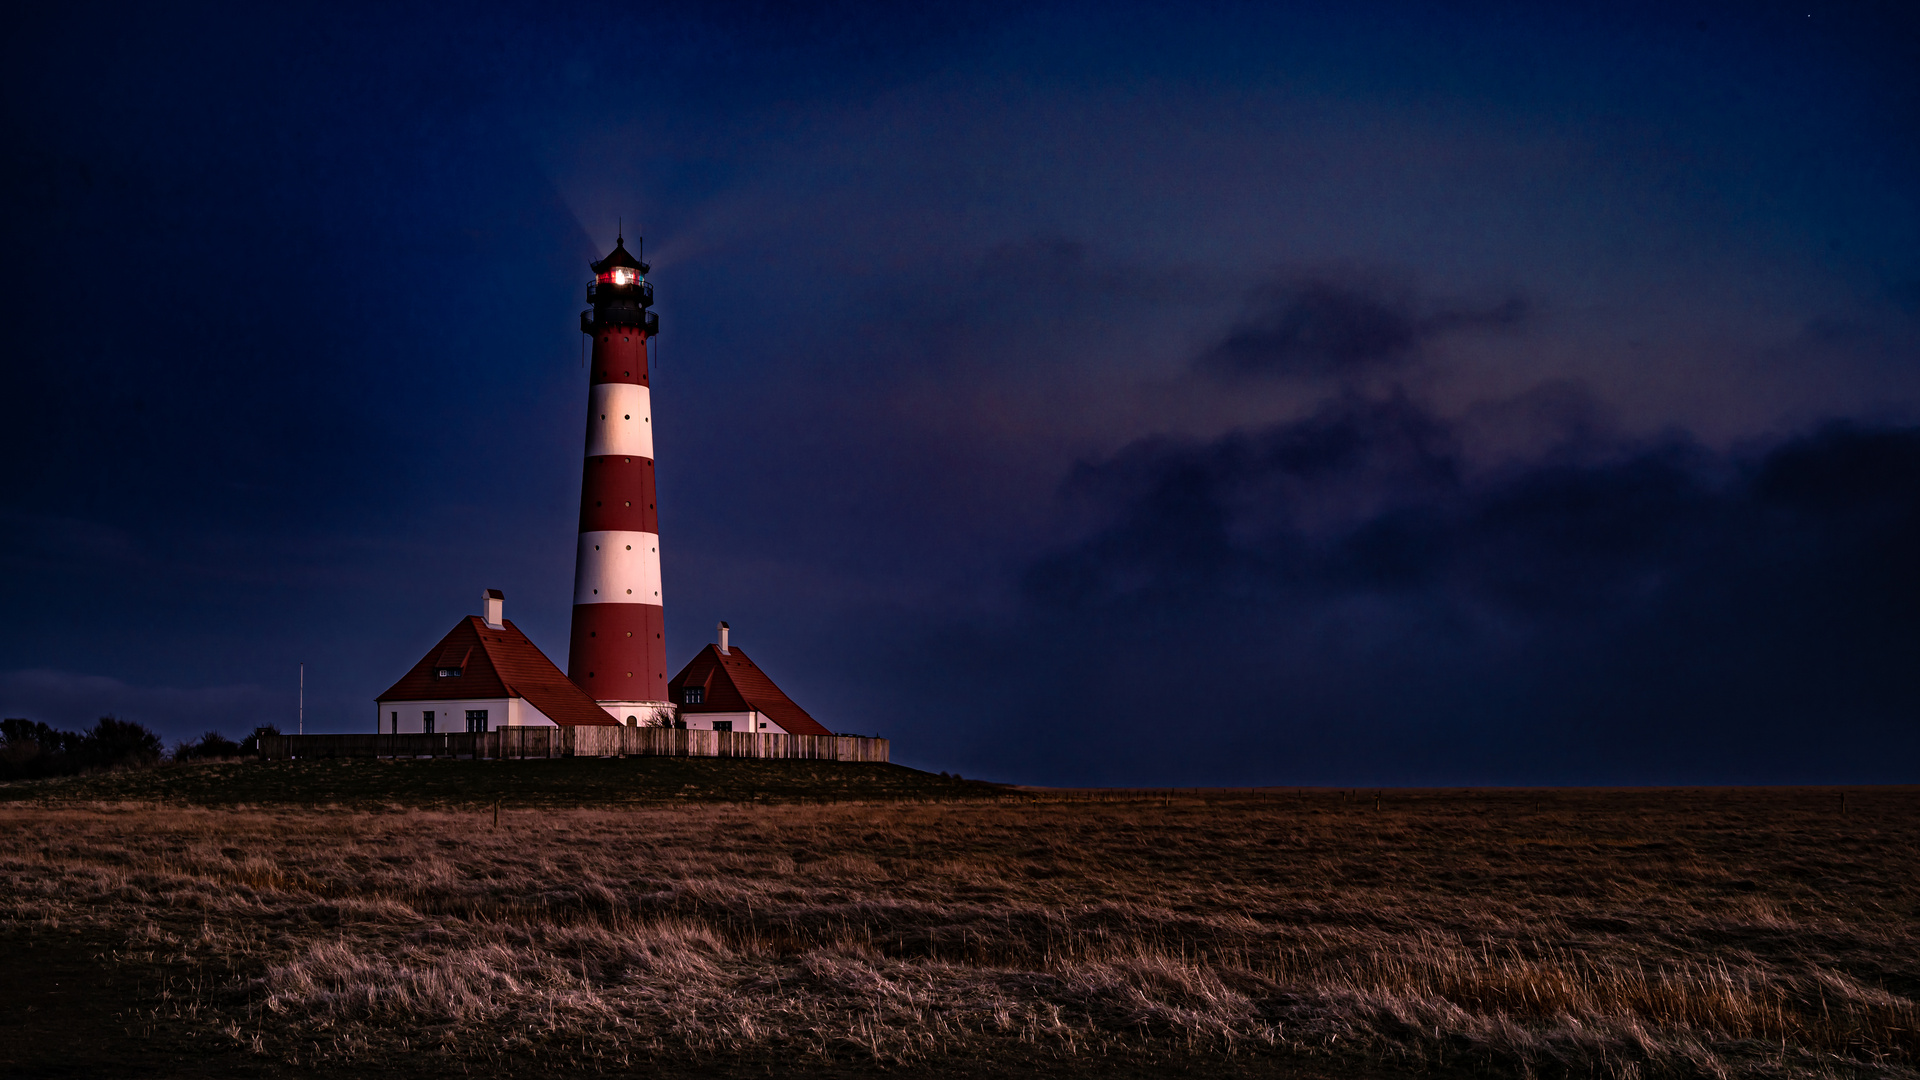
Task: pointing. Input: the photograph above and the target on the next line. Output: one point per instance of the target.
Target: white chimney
(723, 638)
(496, 602)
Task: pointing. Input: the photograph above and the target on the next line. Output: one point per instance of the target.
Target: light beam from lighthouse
(618, 649)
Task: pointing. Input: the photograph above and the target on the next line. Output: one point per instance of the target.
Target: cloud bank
(1352, 586)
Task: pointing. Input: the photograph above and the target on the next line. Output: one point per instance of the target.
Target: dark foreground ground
(75, 1006)
(370, 783)
(334, 919)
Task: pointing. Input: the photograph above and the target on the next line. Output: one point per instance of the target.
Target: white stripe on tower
(620, 420)
(615, 567)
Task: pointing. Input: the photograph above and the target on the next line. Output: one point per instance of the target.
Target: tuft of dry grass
(1608, 933)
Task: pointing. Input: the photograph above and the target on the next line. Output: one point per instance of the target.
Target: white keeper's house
(486, 675)
(721, 690)
(483, 675)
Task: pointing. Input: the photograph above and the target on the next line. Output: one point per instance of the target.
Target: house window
(693, 695)
(426, 721)
(476, 719)
(449, 672)
(396, 723)
(723, 725)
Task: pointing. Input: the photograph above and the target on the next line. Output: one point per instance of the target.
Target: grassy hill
(562, 783)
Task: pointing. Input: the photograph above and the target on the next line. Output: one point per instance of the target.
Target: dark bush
(27, 740)
(29, 748)
(211, 745)
(115, 744)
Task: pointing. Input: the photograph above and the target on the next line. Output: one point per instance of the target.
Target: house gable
(496, 664)
(730, 682)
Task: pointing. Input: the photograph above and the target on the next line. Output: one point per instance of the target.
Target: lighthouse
(617, 653)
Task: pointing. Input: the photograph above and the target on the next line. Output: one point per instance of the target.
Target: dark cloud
(1375, 496)
(1348, 588)
(1318, 326)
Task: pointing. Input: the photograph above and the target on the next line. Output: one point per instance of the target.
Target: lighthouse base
(635, 713)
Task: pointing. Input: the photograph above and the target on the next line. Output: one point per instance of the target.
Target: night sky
(1186, 394)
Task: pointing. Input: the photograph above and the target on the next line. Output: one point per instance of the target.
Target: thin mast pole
(303, 698)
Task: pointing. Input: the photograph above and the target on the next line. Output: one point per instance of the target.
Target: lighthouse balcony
(592, 322)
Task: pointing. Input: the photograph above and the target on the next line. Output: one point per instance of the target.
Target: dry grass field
(1718, 932)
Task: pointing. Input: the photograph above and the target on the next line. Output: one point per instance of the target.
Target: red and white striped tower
(618, 653)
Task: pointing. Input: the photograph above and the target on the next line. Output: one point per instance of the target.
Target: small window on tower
(693, 695)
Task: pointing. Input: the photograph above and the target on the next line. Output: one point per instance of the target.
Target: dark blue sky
(1105, 394)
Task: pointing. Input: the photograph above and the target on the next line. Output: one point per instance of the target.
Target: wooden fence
(554, 742)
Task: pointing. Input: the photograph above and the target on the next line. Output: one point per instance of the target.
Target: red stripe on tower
(618, 651)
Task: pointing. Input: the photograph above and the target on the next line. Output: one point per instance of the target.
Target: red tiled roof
(734, 683)
(497, 663)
